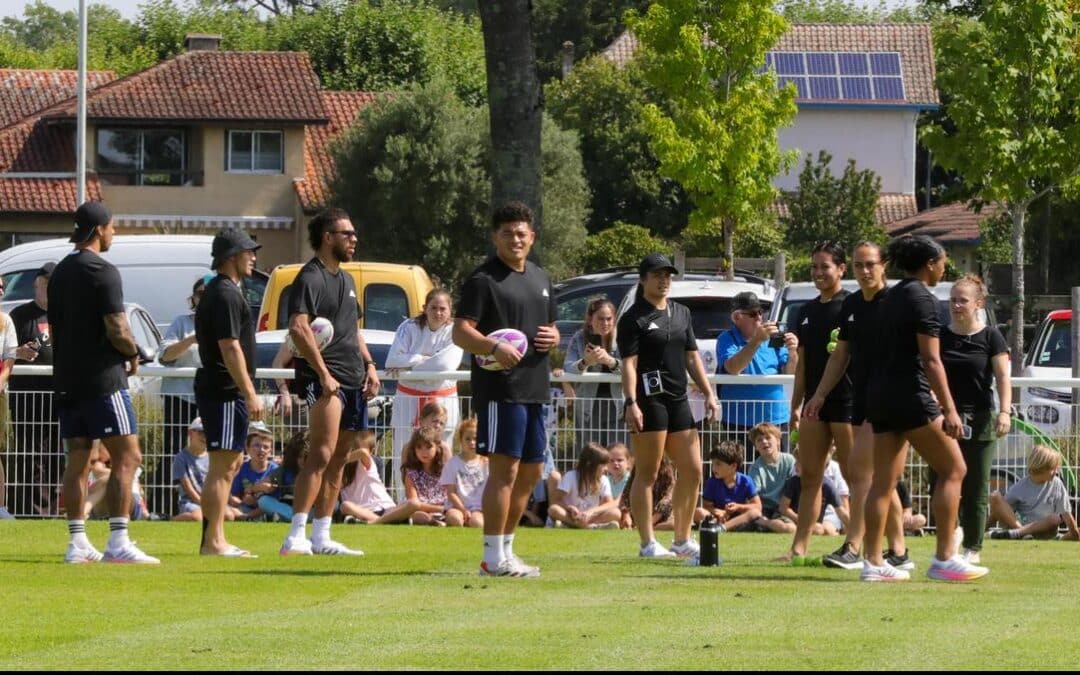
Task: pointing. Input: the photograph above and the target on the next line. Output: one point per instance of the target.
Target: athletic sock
(77, 530)
(508, 546)
(298, 527)
(118, 533)
(320, 530)
(493, 551)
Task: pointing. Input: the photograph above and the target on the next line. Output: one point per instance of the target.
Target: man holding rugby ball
(508, 291)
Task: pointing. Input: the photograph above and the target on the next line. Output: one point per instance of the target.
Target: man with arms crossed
(508, 291)
(93, 354)
(224, 389)
(338, 380)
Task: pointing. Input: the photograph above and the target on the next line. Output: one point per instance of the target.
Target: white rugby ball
(323, 331)
(511, 336)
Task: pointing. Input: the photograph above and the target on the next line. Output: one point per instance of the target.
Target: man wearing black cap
(37, 441)
(224, 383)
(754, 346)
(94, 353)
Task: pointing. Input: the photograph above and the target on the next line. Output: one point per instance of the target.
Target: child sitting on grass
(584, 499)
(662, 491)
(731, 496)
(276, 492)
(464, 478)
(789, 503)
(422, 461)
(1036, 506)
(364, 497)
(619, 466)
(769, 472)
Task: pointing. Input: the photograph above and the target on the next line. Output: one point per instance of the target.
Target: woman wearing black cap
(900, 405)
(656, 340)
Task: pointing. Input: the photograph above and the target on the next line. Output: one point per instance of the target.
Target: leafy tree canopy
(829, 207)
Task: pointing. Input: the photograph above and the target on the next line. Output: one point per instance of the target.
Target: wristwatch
(368, 363)
(628, 402)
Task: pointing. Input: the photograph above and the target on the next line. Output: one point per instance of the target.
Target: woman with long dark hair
(657, 342)
(909, 401)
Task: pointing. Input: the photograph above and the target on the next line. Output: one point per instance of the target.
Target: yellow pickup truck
(389, 294)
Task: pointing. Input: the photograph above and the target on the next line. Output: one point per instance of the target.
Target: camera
(777, 341)
(652, 382)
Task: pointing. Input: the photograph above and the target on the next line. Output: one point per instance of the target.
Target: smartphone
(595, 340)
(965, 432)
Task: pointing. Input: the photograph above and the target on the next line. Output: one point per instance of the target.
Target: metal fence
(34, 459)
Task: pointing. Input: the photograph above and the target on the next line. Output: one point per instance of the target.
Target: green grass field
(415, 601)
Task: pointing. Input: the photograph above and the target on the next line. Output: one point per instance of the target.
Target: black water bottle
(710, 544)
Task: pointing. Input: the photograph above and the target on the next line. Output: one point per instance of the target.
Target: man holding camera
(755, 347)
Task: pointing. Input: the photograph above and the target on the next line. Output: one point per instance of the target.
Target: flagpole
(80, 124)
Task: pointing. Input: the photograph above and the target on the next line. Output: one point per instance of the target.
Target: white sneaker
(129, 554)
(5, 514)
(654, 550)
(331, 547)
(884, 573)
(507, 568)
(687, 549)
(76, 555)
(955, 568)
(528, 571)
(971, 556)
(295, 546)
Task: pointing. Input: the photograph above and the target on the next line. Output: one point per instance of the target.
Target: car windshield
(710, 316)
(1056, 349)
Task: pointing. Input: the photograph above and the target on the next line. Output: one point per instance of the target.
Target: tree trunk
(513, 87)
(729, 249)
(1016, 333)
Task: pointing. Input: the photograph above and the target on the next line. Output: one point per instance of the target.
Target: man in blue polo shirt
(745, 349)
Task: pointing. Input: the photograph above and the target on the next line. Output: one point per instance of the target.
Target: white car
(1050, 355)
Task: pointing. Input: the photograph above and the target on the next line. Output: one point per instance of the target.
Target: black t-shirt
(660, 339)
(908, 310)
(969, 366)
(32, 323)
(317, 292)
(816, 323)
(83, 289)
(793, 491)
(858, 328)
(222, 313)
(495, 296)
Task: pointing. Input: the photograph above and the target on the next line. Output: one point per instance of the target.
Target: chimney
(202, 42)
(567, 58)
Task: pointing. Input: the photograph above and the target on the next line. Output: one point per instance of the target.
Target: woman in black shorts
(657, 343)
(907, 366)
(816, 327)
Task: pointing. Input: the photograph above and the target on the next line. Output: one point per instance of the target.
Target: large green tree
(1013, 80)
(839, 208)
(718, 138)
(603, 103)
(415, 172)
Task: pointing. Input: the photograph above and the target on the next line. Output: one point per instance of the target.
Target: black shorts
(834, 412)
(858, 411)
(901, 416)
(661, 413)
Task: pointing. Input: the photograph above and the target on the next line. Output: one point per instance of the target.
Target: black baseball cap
(746, 301)
(656, 261)
(46, 270)
(88, 216)
(230, 242)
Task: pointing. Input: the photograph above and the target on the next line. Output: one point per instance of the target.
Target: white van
(157, 270)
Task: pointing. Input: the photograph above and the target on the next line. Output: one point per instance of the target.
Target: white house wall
(882, 140)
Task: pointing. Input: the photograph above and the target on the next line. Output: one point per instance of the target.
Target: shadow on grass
(329, 573)
(746, 577)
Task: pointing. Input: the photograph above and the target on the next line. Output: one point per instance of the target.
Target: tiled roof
(912, 41)
(43, 195)
(36, 145)
(342, 108)
(890, 207)
(24, 92)
(212, 86)
(952, 223)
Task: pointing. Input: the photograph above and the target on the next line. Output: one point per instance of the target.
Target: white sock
(508, 546)
(297, 530)
(118, 533)
(77, 530)
(320, 530)
(493, 551)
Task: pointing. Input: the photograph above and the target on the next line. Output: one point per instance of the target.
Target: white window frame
(254, 133)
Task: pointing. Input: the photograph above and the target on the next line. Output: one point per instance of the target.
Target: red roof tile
(912, 41)
(891, 206)
(951, 223)
(35, 145)
(343, 107)
(212, 86)
(43, 195)
(25, 92)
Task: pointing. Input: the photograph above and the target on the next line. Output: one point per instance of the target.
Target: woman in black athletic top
(906, 368)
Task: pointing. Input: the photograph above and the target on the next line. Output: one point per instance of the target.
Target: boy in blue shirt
(245, 494)
(731, 496)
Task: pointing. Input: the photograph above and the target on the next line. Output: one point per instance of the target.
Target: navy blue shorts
(513, 429)
(98, 417)
(354, 416)
(225, 423)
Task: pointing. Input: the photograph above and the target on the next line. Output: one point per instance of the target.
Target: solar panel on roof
(885, 64)
(888, 88)
(856, 88)
(832, 76)
(823, 63)
(824, 88)
(800, 85)
(789, 63)
(854, 63)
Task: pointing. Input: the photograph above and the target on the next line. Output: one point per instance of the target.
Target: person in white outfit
(423, 344)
